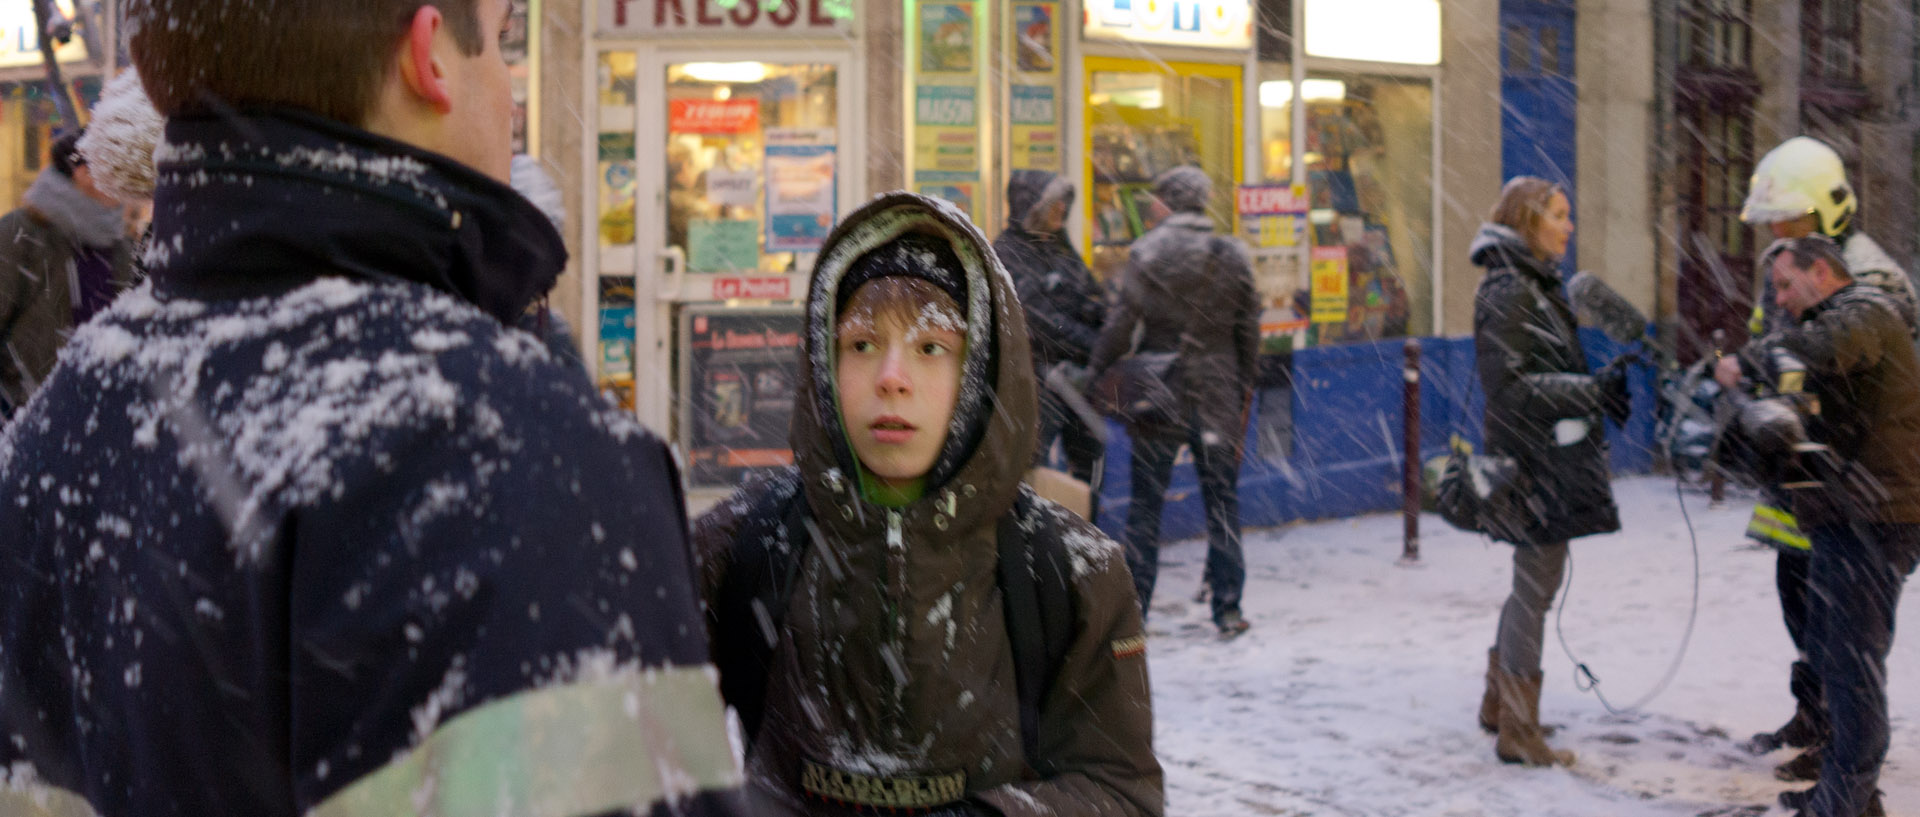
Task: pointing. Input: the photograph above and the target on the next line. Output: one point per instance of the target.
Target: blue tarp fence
(1344, 455)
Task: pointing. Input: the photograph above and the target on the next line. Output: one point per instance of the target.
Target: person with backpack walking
(1546, 410)
(862, 604)
(1065, 309)
(1189, 294)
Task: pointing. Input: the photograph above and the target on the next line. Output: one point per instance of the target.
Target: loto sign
(756, 17)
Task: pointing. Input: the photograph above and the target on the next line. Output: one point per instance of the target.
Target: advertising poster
(802, 189)
(945, 139)
(1035, 48)
(616, 185)
(738, 374)
(1330, 285)
(615, 364)
(946, 38)
(1273, 216)
(946, 144)
(1036, 131)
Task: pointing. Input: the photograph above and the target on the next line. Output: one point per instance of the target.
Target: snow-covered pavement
(1355, 693)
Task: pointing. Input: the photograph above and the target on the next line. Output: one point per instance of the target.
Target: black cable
(1583, 677)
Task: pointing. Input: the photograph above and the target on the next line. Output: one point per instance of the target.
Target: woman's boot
(1521, 740)
(1490, 700)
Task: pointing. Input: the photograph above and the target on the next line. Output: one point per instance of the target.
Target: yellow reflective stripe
(32, 799)
(1771, 524)
(584, 748)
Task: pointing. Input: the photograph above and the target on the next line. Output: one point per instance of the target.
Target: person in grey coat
(1190, 292)
(64, 255)
(1545, 409)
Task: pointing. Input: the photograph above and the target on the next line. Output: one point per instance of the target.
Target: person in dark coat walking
(1190, 293)
(1065, 309)
(303, 525)
(1545, 409)
(64, 255)
(1860, 507)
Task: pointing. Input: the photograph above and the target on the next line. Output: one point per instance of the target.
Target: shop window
(1141, 122)
(1369, 157)
(1717, 248)
(1716, 35)
(733, 129)
(1830, 40)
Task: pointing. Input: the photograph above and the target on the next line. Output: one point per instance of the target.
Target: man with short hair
(1860, 506)
(302, 526)
(1799, 189)
(64, 255)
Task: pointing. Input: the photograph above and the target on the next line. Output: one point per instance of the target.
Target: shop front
(725, 148)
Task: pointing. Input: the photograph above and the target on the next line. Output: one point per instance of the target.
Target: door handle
(673, 272)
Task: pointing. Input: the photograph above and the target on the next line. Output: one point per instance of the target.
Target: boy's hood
(990, 442)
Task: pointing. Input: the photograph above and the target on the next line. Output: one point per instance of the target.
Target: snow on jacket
(1065, 306)
(894, 661)
(1543, 406)
(1862, 366)
(1194, 301)
(39, 279)
(300, 527)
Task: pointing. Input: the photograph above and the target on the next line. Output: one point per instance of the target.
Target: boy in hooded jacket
(888, 686)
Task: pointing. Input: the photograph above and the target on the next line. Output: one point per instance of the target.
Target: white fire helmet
(1801, 176)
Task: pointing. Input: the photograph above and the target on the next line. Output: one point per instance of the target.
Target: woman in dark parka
(1545, 409)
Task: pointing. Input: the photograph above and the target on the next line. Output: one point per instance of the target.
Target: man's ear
(418, 68)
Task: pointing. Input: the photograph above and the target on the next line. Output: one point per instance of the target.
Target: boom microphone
(1602, 307)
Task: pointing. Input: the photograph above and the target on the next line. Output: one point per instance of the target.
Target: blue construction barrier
(1347, 435)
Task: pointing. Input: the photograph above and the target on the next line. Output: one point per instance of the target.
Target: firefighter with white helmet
(1800, 188)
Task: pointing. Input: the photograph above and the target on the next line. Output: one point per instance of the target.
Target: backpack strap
(750, 609)
(1035, 584)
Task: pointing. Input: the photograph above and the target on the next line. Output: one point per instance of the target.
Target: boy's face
(898, 376)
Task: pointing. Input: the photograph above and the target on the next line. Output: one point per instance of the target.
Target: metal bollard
(1411, 478)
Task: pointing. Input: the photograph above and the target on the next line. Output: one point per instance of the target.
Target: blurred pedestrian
(303, 525)
(1546, 410)
(1189, 293)
(1065, 309)
(64, 255)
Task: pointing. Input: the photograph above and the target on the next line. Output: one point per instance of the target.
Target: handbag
(1479, 493)
(1134, 391)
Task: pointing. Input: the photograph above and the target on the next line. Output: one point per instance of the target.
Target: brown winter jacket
(894, 659)
(37, 247)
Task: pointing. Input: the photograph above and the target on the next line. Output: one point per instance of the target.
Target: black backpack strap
(1035, 584)
(751, 606)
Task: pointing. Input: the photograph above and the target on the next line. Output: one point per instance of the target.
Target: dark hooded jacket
(38, 277)
(1193, 292)
(302, 527)
(1065, 306)
(894, 659)
(1543, 406)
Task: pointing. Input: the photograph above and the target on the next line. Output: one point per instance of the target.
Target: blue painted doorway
(1538, 96)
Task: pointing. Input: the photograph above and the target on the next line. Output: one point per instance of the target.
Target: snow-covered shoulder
(274, 402)
(1090, 552)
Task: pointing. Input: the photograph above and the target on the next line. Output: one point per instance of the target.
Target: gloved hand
(1611, 381)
